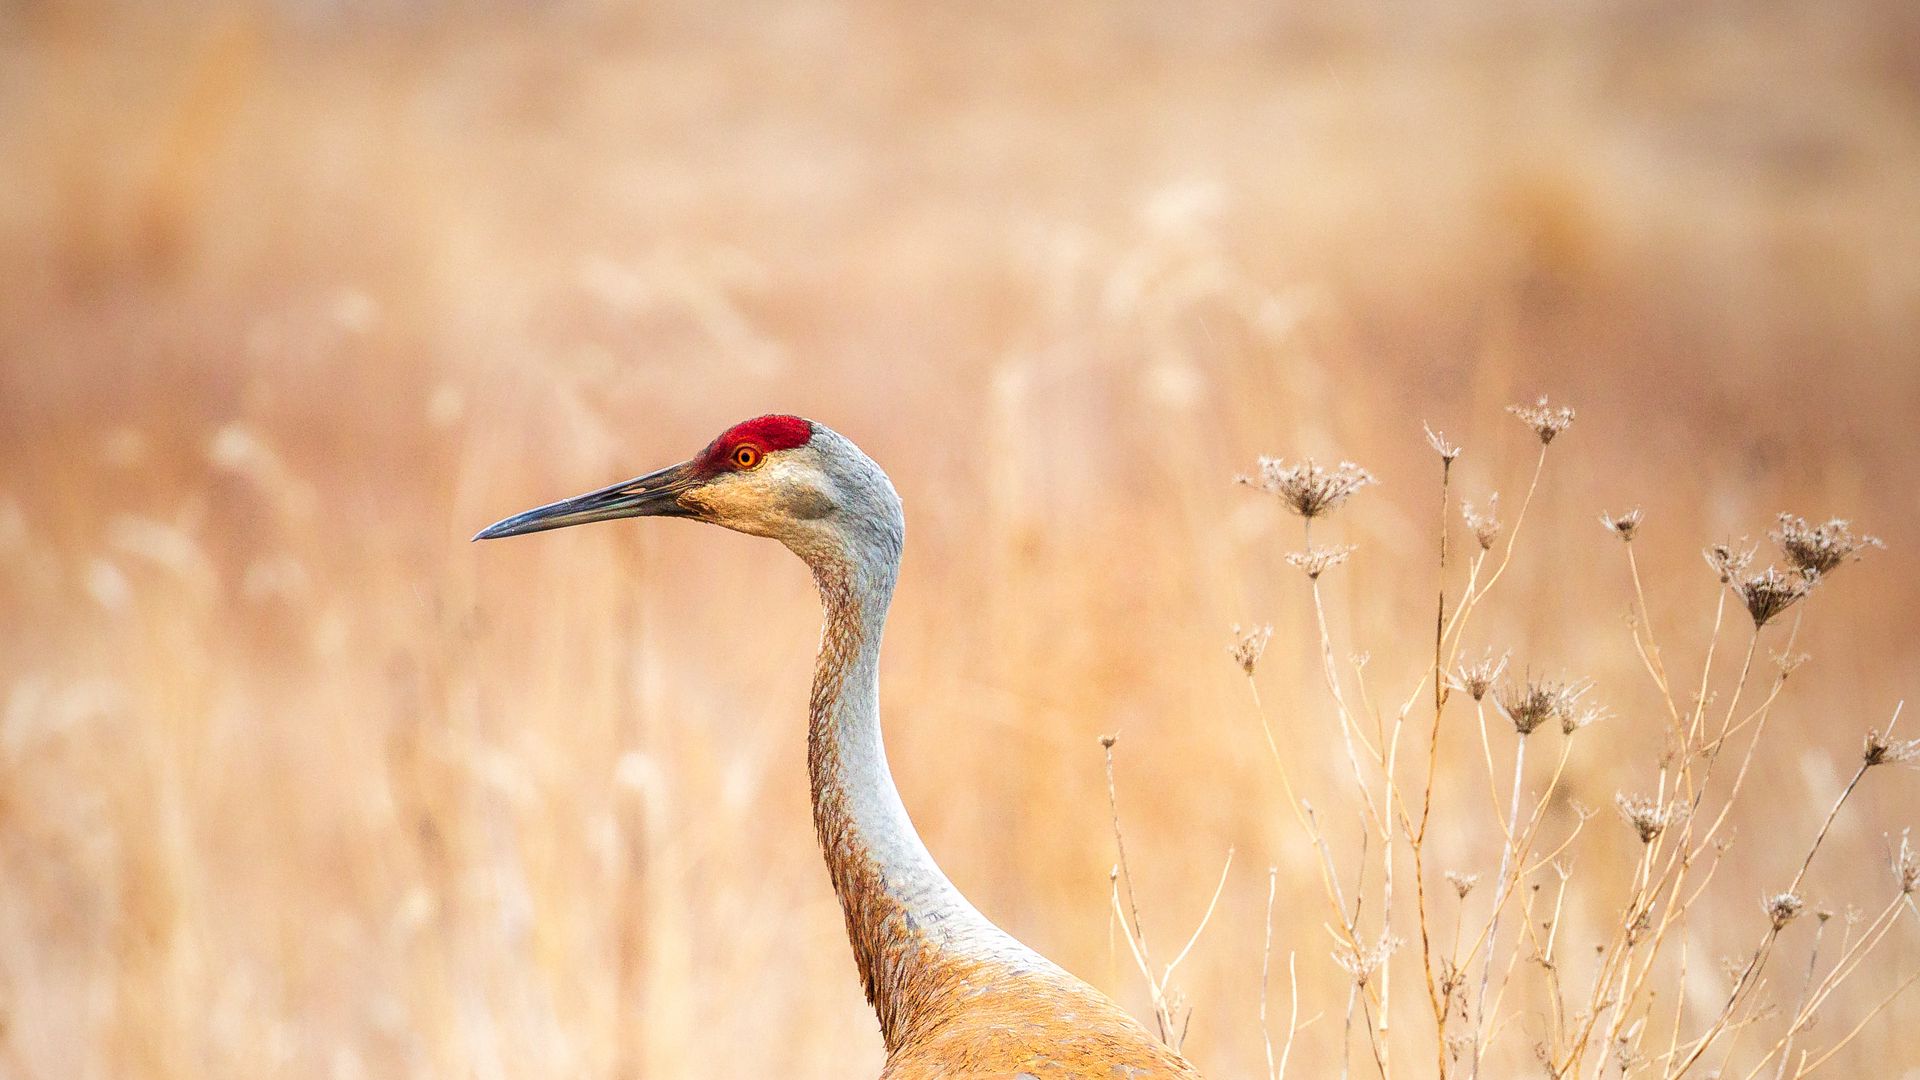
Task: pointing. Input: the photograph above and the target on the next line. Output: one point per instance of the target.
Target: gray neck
(906, 921)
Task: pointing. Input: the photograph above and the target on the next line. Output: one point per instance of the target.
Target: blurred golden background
(296, 296)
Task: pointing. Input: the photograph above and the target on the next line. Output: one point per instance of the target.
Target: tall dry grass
(295, 782)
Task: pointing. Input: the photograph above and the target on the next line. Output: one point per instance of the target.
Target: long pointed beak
(656, 494)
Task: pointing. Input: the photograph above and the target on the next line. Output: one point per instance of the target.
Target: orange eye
(746, 456)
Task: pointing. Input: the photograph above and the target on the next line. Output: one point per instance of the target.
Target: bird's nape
(656, 494)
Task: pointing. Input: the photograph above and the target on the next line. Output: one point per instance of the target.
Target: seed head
(1307, 489)
(1441, 446)
(1727, 561)
(1881, 750)
(1781, 908)
(1536, 701)
(1771, 592)
(1477, 677)
(1647, 816)
(1820, 549)
(1571, 722)
(1486, 527)
(1362, 961)
(1248, 645)
(1462, 883)
(1906, 864)
(1545, 420)
(1623, 526)
(1316, 561)
(1107, 741)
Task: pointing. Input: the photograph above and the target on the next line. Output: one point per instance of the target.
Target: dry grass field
(295, 782)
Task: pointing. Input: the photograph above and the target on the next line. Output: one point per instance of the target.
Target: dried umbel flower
(1447, 451)
(1462, 883)
(1881, 750)
(1485, 527)
(1248, 645)
(1571, 722)
(1545, 420)
(1307, 489)
(1316, 561)
(1788, 663)
(1534, 702)
(1623, 525)
(1906, 865)
(1107, 741)
(1362, 962)
(1727, 561)
(1771, 592)
(1819, 549)
(1648, 817)
(1477, 677)
(1781, 908)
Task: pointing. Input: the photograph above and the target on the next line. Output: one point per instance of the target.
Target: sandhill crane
(956, 995)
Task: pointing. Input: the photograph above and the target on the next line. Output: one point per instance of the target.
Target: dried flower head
(1462, 883)
(1771, 592)
(1545, 420)
(1648, 817)
(1727, 561)
(1316, 561)
(1447, 451)
(1248, 645)
(1781, 908)
(1534, 702)
(1362, 961)
(1788, 663)
(1572, 722)
(1107, 741)
(1477, 677)
(1906, 864)
(1882, 750)
(1308, 489)
(1623, 525)
(1485, 527)
(1819, 549)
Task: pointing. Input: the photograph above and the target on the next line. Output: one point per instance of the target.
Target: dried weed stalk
(1593, 1008)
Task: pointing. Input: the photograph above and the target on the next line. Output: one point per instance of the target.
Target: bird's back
(993, 1023)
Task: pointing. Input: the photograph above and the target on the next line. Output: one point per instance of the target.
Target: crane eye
(746, 456)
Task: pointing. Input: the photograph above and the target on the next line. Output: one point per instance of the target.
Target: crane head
(780, 476)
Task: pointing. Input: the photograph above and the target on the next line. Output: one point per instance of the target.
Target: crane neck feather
(913, 934)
